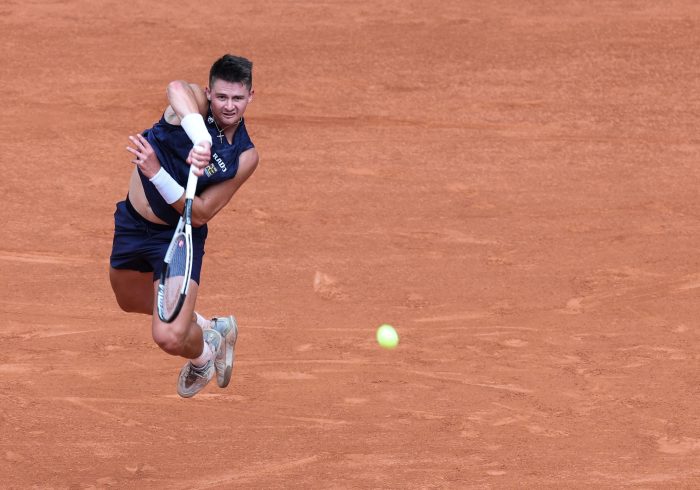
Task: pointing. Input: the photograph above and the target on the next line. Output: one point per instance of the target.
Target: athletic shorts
(140, 245)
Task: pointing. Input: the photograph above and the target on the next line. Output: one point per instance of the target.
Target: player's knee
(170, 341)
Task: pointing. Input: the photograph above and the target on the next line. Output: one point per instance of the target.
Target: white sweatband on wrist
(194, 126)
(167, 187)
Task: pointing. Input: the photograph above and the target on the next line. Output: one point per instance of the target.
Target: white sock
(204, 357)
(201, 321)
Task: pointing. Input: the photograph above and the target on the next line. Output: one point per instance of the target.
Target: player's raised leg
(133, 290)
(184, 337)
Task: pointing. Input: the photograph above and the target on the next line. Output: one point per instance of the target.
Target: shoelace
(199, 372)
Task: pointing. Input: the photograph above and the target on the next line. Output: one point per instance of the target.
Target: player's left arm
(215, 198)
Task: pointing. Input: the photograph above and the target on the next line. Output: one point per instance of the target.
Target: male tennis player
(211, 120)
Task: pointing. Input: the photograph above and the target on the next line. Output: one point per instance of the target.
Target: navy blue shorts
(140, 245)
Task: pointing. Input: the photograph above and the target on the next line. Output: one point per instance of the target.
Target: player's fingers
(144, 142)
(197, 164)
(201, 149)
(140, 142)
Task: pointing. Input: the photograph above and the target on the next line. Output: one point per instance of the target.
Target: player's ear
(250, 95)
(208, 92)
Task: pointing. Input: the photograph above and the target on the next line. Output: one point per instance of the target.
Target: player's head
(234, 69)
(230, 89)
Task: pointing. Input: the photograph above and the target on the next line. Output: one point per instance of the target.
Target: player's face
(228, 101)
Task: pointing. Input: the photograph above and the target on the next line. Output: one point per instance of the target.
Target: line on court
(468, 315)
(44, 258)
(315, 420)
(305, 361)
(46, 335)
(241, 477)
(506, 387)
(121, 420)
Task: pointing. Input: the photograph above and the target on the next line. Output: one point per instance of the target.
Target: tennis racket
(177, 264)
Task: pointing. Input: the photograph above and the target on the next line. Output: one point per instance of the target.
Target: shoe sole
(230, 352)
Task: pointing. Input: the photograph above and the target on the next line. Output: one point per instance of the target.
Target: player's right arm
(187, 99)
(184, 98)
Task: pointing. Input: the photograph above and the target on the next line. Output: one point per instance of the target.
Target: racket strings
(175, 274)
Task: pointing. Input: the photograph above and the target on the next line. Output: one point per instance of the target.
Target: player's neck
(226, 131)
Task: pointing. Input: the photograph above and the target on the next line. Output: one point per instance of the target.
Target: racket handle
(191, 184)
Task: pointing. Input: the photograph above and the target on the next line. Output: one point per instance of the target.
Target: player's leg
(133, 290)
(184, 337)
(225, 326)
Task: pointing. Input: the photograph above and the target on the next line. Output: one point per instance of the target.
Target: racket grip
(191, 184)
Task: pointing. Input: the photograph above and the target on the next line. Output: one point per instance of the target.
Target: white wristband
(166, 185)
(194, 126)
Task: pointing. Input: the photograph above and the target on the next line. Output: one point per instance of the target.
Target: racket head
(175, 276)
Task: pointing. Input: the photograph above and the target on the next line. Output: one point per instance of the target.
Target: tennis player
(210, 119)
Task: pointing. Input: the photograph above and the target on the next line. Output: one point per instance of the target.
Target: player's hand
(199, 157)
(146, 158)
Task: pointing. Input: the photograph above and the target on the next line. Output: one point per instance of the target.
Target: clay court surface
(513, 185)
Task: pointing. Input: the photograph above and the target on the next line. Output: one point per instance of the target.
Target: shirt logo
(214, 167)
(219, 162)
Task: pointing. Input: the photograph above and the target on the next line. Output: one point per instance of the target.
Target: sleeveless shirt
(172, 145)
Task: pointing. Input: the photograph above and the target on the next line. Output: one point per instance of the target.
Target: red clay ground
(513, 185)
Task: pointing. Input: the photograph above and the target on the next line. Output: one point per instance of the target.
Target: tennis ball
(387, 336)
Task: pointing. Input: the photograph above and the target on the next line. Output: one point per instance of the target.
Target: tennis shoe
(228, 329)
(193, 378)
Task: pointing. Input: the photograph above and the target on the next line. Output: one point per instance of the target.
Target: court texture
(513, 185)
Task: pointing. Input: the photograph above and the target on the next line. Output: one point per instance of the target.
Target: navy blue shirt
(172, 145)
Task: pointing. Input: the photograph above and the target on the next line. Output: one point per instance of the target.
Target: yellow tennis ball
(387, 336)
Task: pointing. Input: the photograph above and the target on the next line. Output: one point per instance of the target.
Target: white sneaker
(192, 378)
(228, 329)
